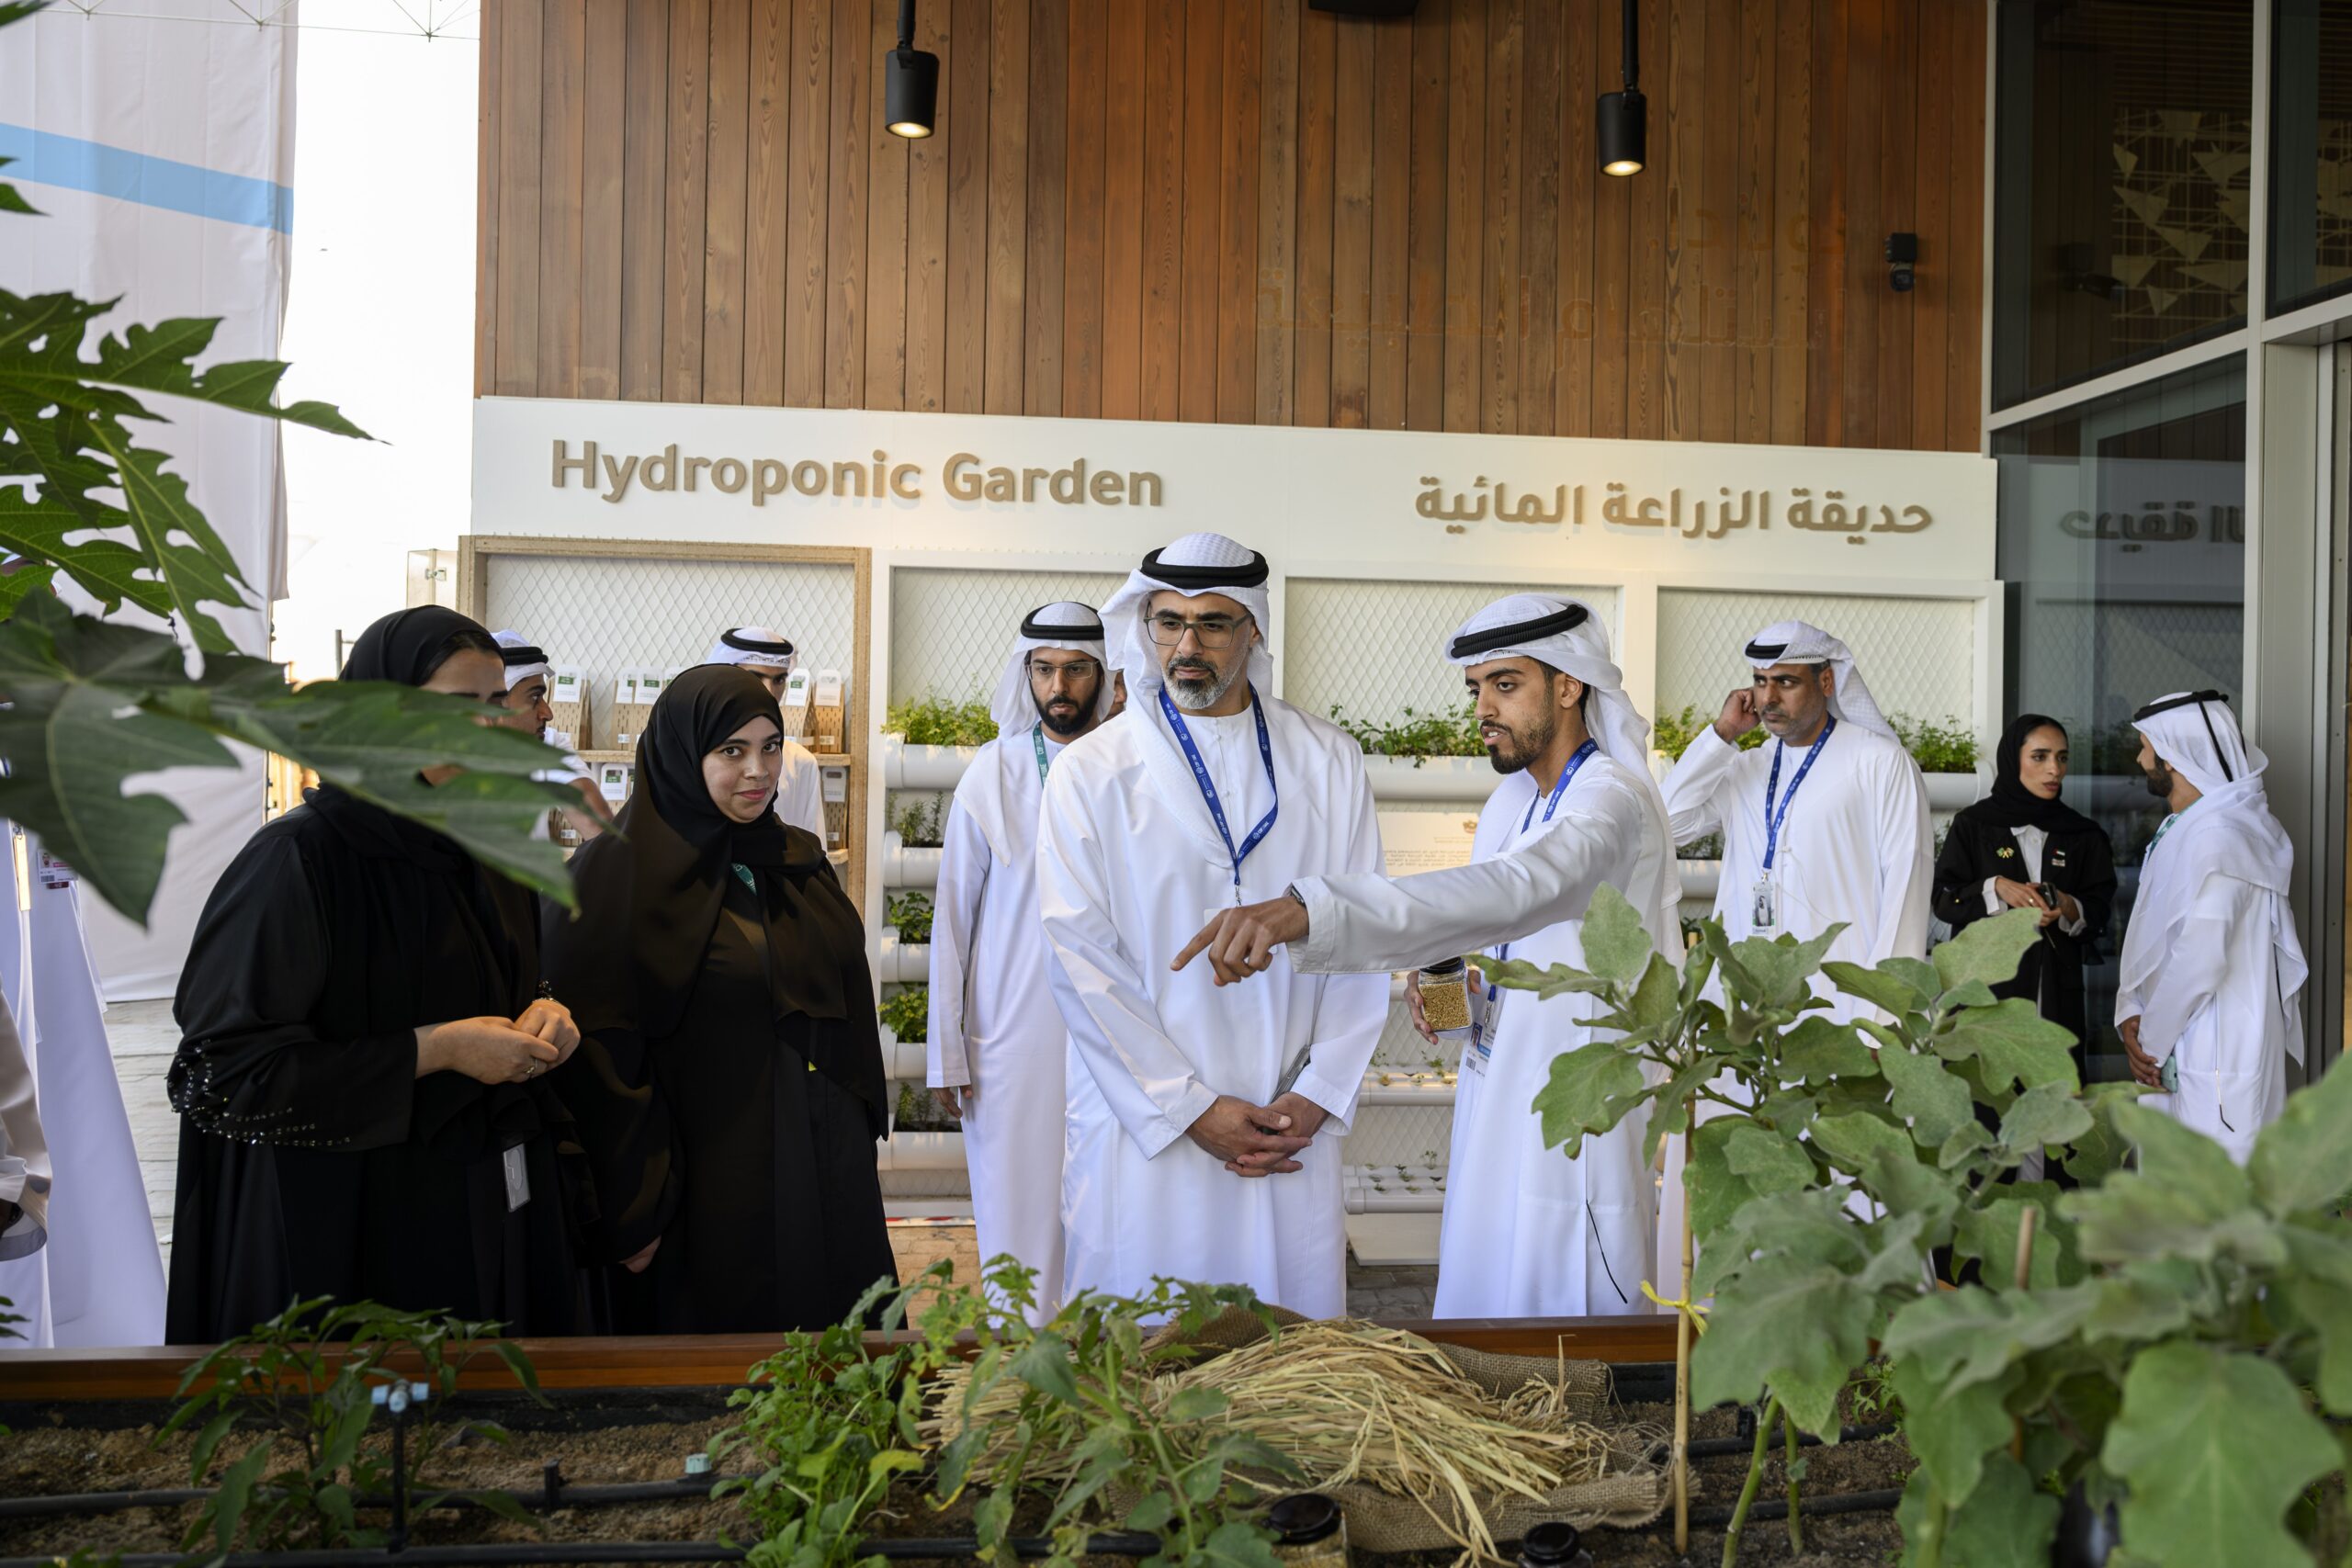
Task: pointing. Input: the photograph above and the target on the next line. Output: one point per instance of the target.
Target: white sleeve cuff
(1313, 953)
(1992, 897)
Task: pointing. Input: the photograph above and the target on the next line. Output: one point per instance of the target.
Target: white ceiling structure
(422, 19)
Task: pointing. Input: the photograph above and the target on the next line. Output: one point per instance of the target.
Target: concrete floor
(144, 1037)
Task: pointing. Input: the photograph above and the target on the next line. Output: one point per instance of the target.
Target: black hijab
(650, 898)
(2011, 804)
(403, 647)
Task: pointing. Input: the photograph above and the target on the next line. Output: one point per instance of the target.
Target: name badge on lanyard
(1208, 786)
(1044, 761)
(1488, 1020)
(1765, 914)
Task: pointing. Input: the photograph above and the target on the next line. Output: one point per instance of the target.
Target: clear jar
(1309, 1531)
(1445, 999)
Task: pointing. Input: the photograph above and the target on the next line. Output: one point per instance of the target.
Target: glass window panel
(2122, 542)
(2311, 116)
(2123, 144)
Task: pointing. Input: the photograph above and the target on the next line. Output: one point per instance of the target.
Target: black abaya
(312, 1159)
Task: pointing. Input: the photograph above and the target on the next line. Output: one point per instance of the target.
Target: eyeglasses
(1214, 632)
(1077, 670)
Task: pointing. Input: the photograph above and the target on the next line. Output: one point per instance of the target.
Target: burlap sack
(1378, 1522)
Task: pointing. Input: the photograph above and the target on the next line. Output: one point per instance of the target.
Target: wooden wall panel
(1243, 210)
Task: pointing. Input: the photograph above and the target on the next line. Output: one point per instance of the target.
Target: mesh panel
(1918, 655)
(952, 630)
(607, 614)
(1377, 648)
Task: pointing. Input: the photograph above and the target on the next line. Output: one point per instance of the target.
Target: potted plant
(931, 740)
(1946, 752)
(1423, 756)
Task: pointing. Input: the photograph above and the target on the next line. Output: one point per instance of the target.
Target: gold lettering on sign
(1690, 517)
(965, 477)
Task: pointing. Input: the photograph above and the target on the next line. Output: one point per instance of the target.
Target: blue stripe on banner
(43, 157)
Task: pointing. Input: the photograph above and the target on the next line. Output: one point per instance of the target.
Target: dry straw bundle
(1356, 1406)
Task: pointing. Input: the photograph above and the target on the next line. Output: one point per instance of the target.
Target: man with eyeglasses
(1204, 1123)
(997, 1056)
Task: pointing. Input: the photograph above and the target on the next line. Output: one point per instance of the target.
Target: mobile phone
(2047, 894)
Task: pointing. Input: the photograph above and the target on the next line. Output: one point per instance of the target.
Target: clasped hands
(1258, 1140)
(495, 1050)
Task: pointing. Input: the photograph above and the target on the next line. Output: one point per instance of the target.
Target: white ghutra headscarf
(1193, 565)
(1801, 642)
(990, 781)
(1567, 635)
(2230, 831)
(523, 660)
(761, 648)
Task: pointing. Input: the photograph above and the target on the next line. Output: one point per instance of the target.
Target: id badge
(518, 1179)
(1765, 913)
(1486, 1017)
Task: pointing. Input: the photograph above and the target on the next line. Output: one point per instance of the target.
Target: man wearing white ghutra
(1826, 823)
(1203, 1138)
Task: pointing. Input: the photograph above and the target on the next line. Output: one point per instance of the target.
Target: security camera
(1901, 256)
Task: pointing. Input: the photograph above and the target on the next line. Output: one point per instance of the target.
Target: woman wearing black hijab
(2010, 849)
(729, 1088)
(361, 1076)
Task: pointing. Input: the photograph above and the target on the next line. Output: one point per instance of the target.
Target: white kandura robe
(2222, 1001)
(1527, 1232)
(1129, 868)
(1855, 847)
(99, 1281)
(994, 1024)
(800, 790)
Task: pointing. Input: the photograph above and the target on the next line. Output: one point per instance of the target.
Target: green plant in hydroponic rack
(937, 721)
(906, 1013)
(1674, 732)
(918, 823)
(1417, 735)
(1802, 1110)
(1945, 747)
(910, 915)
(302, 1386)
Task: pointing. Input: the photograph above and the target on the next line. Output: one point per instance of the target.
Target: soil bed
(646, 1434)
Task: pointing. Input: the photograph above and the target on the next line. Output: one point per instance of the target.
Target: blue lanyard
(1044, 761)
(1208, 786)
(1772, 786)
(1550, 806)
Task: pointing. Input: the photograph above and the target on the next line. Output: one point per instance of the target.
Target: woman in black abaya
(2005, 850)
(729, 1088)
(361, 1076)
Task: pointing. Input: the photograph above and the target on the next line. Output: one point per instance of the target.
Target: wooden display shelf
(629, 754)
(722, 1360)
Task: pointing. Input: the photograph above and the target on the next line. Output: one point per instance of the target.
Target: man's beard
(1512, 753)
(2159, 780)
(1206, 688)
(1066, 723)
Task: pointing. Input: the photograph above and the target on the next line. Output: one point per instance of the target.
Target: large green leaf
(1936, 1102)
(1551, 980)
(1811, 1225)
(2011, 1042)
(1972, 1336)
(1716, 1192)
(2008, 1522)
(1815, 1050)
(2045, 1115)
(1589, 1091)
(2303, 1160)
(1771, 1162)
(1950, 1429)
(2187, 1200)
(2327, 1312)
(1891, 994)
(1986, 952)
(1990, 1235)
(1778, 970)
(92, 704)
(1796, 1324)
(2215, 1444)
(1616, 945)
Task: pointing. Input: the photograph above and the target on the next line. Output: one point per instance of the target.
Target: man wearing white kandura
(528, 710)
(997, 1059)
(1527, 1233)
(800, 783)
(2211, 965)
(1204, 1123)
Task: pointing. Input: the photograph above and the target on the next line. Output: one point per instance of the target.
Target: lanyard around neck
(1552, 803)
(1208, 786)
(1044, 761)
(1773, 821)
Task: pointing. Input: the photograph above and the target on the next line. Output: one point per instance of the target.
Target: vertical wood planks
(602, 223)
(1351, 228)
(1317, 76)
(1008, 226)
(1084, 191)
(1538, 344)
(1123, 204)
(886, 259)
(847, 161)
(520, 69)
(1276, 303)
(965, 361)
(489, 123)
(563, 72)
(1049, 30)
(1791, 223)
(723, 219)
(1203, 206)
(645, 150)
(927, 324)
(1163, 206)
(1465, 194)
(1425, 301)
(684, 235)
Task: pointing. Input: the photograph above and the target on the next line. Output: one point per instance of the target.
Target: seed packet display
(634, 690)
(568, 702)
(825, 712)
(613, 780)
(794, 704)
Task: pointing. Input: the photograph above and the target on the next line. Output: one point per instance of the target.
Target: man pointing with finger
(1204, 1126)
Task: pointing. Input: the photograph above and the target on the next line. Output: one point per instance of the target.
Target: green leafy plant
(1417, 735)
(906, 1012)
(85, 500)
(918, 823)
(2177, 1356)
(1674, 731)
(1710, 847)
(302, 1386)
(1948, 746)
(1804, 1112)
(910, 915)
(939, 721)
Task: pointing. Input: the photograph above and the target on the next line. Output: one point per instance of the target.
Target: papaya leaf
(2215, 1445)
(2303, 1160)
(1986, 950)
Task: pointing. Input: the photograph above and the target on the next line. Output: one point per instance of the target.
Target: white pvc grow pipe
(1386, 1190)
(902, 766)
(903, 867)
(908, 962)
(1700, 878)
(920, 1151)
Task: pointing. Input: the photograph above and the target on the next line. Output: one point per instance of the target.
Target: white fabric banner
(161, 149)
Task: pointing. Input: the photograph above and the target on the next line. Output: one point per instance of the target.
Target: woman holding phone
(2023, 848)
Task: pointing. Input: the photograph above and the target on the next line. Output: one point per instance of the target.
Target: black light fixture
(1902, 261)
(909, 82)
(1623, 119)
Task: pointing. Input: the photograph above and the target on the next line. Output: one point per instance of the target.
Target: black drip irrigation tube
(554, 1491)
(1718, 1447)
(513, 1555)
(1772, 1508)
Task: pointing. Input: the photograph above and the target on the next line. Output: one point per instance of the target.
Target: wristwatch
(1295, 896)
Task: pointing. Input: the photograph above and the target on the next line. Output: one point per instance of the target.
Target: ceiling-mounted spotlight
(1623, 119)
(909, 82)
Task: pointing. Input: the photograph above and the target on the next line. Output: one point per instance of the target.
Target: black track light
(1621, 120)
(909, 82)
